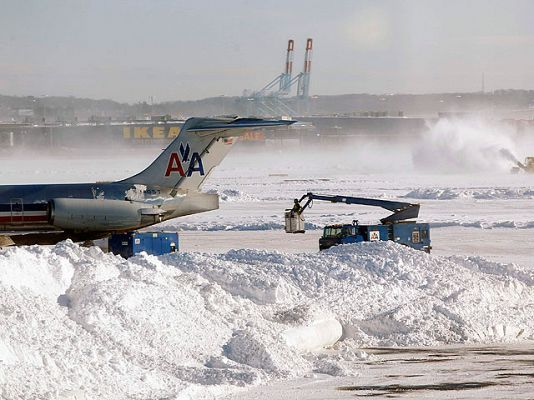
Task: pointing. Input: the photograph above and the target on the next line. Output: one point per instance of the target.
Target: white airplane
(168, 188)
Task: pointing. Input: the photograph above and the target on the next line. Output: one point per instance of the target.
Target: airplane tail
(199, 147)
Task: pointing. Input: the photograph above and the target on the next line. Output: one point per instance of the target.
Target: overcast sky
(131, 50)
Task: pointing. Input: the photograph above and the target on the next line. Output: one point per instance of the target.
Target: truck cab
(339, 234)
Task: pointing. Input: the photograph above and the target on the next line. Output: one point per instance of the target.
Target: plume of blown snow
(508, 155)
(465, 146)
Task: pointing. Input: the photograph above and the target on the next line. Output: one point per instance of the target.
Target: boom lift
(394, 227)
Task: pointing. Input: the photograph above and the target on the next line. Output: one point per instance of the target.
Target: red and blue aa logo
(176, 161)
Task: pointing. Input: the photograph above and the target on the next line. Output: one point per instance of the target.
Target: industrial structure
(274, 99)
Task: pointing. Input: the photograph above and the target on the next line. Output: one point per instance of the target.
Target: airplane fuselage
(24, 207)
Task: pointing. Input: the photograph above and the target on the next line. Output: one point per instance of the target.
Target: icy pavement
(485, 372)
(78, 322)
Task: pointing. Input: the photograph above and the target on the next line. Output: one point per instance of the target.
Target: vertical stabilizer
(200, 146)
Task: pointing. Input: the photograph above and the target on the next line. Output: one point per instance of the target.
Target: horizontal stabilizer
(231, 128)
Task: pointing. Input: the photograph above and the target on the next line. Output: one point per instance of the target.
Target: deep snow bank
(75, 320)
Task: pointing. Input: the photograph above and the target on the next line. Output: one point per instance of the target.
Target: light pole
(41, 99)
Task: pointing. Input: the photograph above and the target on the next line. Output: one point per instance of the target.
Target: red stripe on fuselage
(23, 218)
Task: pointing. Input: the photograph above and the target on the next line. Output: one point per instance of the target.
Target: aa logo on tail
(176, 162)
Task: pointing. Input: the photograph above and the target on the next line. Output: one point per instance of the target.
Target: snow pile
(483, 224)
(434, 194)
(479, 194)
(79, 322)
(385, 294)
(233, 195)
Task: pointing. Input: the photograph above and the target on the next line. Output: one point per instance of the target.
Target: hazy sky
(130, 50)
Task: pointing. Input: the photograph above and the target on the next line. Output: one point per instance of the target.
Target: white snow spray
(465, 145)
(508, 155)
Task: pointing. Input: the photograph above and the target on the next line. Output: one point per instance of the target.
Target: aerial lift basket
(294, 222)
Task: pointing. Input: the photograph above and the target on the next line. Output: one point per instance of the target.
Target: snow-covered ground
(77, 321)
(245, 304)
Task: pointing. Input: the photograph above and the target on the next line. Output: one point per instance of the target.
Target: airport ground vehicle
(131, 243)
(395, 227)
(527, 166)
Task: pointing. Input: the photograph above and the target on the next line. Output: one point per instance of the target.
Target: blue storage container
(132, 243)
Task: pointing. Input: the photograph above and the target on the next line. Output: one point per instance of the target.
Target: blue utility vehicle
(394, 227)
(411, 234)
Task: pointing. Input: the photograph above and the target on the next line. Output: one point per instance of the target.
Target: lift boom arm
(401, 211)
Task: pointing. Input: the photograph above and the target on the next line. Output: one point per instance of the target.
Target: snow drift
(79, 322)
(477, 194)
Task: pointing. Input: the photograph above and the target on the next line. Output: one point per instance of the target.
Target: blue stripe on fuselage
(42, 193)
(27, 207)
